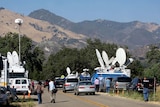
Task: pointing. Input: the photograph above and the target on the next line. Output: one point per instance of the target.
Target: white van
(21, 85)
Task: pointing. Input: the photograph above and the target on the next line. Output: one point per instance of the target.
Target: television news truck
(9, 73)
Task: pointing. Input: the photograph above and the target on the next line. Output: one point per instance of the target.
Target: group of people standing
(99, 82)
(51, 89)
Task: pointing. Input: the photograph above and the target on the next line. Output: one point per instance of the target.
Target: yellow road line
(86, 100)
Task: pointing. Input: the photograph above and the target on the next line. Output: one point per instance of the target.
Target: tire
(7, 103)
(77, 93)
(93, 93)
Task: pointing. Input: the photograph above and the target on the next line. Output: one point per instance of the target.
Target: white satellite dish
(114, 61)
(85, 69)
(111, 60)
(105, 58)
(131, 60)
(128, 61)
(85, 73)
(10, 59)
(76, 74)
(68, 70)
(19, 21)
(15, 58)
(121, 56)
(99, 58)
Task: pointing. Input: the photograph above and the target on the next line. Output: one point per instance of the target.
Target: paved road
(99, 100)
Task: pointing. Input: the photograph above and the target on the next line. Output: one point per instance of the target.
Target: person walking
(108, 85)
(39, 90)
(51, 90)
(96, 82)
(145, 83)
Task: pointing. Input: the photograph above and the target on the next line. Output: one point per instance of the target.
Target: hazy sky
(80, 10)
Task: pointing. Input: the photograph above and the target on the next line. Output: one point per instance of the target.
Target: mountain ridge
(48, 36)
(52, 35)
(132, 34)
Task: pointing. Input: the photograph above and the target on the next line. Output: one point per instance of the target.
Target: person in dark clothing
(12, 91)
(145, 83)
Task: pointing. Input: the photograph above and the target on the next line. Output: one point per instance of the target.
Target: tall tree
(153, 55)
(34, 57)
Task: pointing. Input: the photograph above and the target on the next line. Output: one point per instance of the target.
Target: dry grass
(153, 97)
(40, 30)
(27, 102)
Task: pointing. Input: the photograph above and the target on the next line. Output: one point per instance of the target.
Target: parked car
(86, 87)
(120, 83)
(5, 99)
(21, 85)
(137, 84)
(59, 82)
(69, 84)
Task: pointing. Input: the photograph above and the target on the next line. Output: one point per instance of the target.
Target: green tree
(153, 55)
(153, 65)
(33, 56)
(153, 71)
(57, 64)
(136, 69)
(35, 63)
(76, 59)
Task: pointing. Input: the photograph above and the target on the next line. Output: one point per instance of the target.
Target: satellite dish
(10, 59)
(120, 56)
(99, 58)
(105, 58)
(15, 58)
(129, 61)
(85, 73)
(68, 70)
(19, 21)
(76, 74)
(111, 60)
(85, 69)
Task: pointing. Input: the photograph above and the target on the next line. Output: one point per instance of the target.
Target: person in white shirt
(96, 83)
(51, 88)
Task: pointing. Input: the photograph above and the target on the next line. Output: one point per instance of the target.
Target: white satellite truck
(108, 67)
(11, 70)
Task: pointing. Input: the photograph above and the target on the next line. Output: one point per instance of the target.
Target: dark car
(59, 83)
(5, 98)
(137, 84)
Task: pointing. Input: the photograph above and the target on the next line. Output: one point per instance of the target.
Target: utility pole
(19, 22)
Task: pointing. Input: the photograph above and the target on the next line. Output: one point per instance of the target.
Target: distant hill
(52, 32)
(133, 34)
(50, 37)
